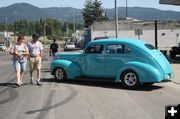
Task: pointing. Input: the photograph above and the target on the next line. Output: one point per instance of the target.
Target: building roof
(170, 2)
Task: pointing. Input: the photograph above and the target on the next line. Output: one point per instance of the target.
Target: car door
(93, 61)
(116, 55)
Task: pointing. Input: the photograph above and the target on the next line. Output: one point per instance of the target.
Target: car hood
(71, 56)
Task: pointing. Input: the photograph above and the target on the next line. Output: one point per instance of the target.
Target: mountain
(146, 14)
(20, 11)
(64, 13)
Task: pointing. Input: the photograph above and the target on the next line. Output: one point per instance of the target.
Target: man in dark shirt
(53, 48)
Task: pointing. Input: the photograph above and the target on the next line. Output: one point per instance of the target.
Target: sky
(80, 3)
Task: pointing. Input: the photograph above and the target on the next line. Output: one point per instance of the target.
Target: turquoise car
(129, 61)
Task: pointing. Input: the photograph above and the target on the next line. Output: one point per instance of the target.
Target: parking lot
(176, 69)
(82, 99)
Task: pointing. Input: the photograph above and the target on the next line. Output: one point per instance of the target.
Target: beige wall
(164, 41)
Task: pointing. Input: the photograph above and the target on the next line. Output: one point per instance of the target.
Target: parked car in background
(129, 61)
(174, 51)
(69, 46)
(3, 47)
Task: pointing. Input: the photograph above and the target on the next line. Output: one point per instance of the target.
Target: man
(35, 54)
(53, 48)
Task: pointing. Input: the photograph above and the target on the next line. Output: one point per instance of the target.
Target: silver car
(3, 48)
(69, 46)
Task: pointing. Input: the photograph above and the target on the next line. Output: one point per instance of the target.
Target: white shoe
(38, 83)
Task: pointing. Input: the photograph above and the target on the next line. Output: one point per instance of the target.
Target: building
(5, 39)
(168, 34)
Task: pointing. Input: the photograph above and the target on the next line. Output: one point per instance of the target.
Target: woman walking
(20, 53)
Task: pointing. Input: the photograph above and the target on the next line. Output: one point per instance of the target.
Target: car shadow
(12, 85)
(111, 85)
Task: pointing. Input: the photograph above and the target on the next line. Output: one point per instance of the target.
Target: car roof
(130, 41)
(120, 40)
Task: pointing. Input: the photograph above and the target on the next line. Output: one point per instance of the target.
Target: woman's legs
(17, 68)
(18, 76)
(23, 68)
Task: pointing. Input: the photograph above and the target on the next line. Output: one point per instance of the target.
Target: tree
(93, 12)
(88, 13)
(54, 28)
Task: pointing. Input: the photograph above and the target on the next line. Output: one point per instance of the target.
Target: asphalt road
(80, 99)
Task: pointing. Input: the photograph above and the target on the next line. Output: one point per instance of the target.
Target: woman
(20, 53)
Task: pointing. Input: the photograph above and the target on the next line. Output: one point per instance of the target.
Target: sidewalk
(176, 70)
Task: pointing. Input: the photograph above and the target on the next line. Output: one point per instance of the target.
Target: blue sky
(80, 3)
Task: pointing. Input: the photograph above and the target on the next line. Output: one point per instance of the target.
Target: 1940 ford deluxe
(129, 61)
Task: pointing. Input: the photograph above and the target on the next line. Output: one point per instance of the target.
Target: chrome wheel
(130, 79)
(60, 74)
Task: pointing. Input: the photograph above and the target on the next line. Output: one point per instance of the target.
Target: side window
(127, 50)
(94, 49)
(117, 49)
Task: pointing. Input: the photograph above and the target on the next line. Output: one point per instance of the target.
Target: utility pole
(126, 8)
(74, 24)
(156, 38)
(116, 18)
(6, 23)
(45, 24)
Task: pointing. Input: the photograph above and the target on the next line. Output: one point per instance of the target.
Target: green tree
(93, 12)
(88, 13)
(54, 28)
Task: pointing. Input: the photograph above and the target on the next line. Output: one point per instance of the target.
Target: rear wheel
(130, 79)
(60, 74)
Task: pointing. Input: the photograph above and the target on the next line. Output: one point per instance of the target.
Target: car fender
(72, 70)
(146, 72)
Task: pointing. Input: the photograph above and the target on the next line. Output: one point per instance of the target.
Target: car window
(97, 49)
(117, 49)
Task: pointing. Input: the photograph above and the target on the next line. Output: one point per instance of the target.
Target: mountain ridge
(27, 11)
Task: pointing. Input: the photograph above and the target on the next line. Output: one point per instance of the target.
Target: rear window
(149, 46)
(117, 49)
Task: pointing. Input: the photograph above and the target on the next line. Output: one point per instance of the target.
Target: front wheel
(60, 74)
(129, 79)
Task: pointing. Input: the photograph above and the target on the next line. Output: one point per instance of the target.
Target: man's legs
(31, 68)
(38, 68)
(38, 74)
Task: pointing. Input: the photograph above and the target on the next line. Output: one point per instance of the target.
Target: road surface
(80, 99)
